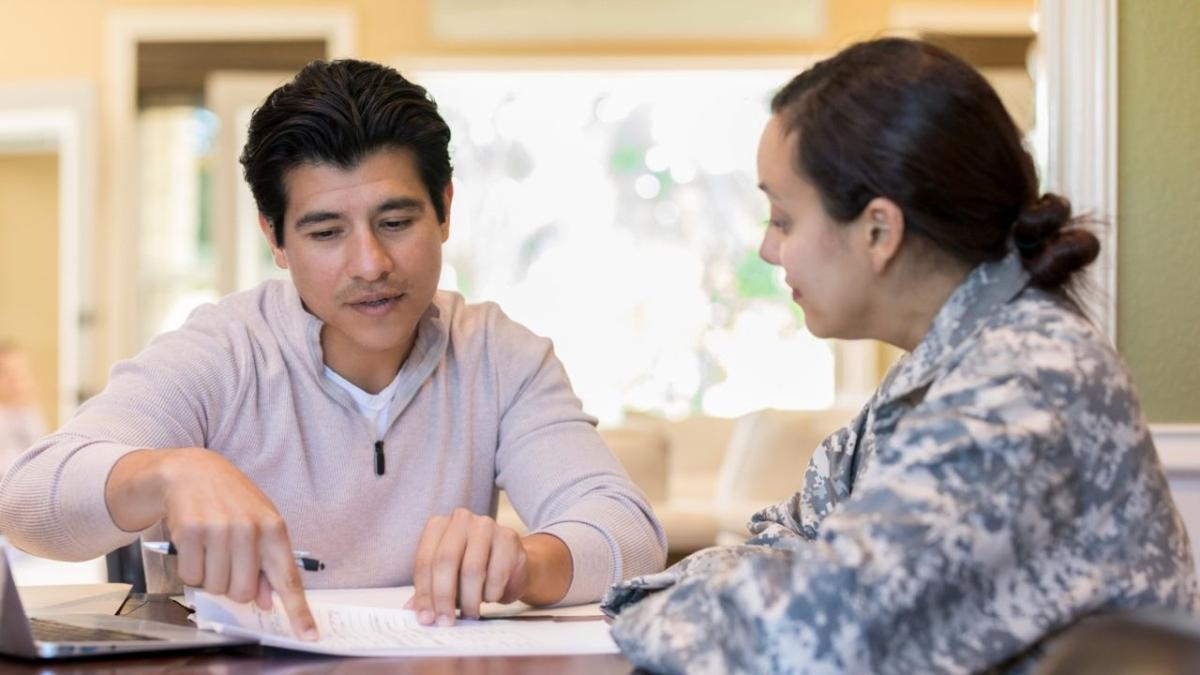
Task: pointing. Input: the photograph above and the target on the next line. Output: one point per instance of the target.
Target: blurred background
(604, 156)
(604, 195)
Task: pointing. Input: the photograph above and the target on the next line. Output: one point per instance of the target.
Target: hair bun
(1052, 247)
(1039, 222)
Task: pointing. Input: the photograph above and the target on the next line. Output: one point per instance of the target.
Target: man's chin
(370, 339)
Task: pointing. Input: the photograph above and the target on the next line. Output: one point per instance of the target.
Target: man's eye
(396, 224)
(322, 235)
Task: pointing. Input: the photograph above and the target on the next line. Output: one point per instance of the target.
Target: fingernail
(445, 620)
(425, 616)
(310, 634)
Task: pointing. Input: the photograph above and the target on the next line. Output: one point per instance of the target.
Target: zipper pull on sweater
(379, 458)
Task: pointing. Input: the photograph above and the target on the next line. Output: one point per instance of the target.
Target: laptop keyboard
(53, 631)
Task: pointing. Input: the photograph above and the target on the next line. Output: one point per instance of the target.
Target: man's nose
(370, 260)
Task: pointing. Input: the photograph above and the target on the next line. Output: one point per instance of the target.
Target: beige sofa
(765, 463)
(705, 476)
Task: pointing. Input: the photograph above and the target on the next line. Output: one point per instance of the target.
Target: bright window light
(617, 213)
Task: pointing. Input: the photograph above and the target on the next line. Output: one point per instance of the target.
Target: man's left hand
(466, 559)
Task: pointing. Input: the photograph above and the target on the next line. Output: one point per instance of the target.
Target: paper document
(394, 597)
(358, 630)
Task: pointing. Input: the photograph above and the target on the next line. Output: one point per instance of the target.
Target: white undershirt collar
(374, 407)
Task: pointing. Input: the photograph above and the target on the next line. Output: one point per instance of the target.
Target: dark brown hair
(908, 121)
(338, 112)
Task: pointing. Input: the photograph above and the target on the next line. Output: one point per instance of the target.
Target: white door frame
(1079, 47)
(125, 29)
(60, 119)
(1078, 42)
(1178, 447)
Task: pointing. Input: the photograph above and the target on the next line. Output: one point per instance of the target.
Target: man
(356, 413)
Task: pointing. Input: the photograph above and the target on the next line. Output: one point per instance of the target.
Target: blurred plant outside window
(615, 212)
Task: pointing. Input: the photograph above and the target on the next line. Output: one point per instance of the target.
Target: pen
(303, 561)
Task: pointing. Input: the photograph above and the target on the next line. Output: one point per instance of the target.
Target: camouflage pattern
(1000, 485)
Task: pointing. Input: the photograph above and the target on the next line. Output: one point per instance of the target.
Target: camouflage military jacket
(1000, 485)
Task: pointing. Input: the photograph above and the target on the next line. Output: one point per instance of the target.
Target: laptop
(55, 636)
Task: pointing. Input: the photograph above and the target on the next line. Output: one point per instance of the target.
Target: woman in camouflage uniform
(1001, 483)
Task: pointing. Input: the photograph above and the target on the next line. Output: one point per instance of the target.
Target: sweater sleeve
(560, 476)
(52, 500)
(910, 565)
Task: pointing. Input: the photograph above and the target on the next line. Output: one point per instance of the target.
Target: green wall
(1158, 266)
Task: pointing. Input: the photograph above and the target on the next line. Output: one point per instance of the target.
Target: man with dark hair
(356, 413)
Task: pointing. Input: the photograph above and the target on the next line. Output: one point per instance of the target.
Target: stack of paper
(359, 623)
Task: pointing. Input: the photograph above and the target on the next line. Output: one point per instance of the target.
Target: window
(177, 267)
(617, 213)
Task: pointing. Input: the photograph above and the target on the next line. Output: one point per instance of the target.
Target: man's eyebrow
(400, 204)
(315, 217)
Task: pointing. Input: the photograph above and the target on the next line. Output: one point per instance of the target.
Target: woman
(1001, 483)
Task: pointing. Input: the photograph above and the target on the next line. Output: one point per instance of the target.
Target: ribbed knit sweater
(483, 404)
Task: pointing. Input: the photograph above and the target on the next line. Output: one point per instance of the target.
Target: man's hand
(466, 559)
(230, 538)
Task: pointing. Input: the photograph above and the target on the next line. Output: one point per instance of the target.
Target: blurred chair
(695, 449)
(765, 463)
(643, 453)
(1134, 643)
(705, 476)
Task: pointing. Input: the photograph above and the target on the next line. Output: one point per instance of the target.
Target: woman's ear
(276, 250)
(883, 225)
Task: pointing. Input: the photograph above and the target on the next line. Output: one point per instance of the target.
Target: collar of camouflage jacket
(976, 299)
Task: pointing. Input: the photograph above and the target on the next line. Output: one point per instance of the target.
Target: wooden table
(250, 660)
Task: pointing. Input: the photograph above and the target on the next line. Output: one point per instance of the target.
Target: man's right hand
(224, 528)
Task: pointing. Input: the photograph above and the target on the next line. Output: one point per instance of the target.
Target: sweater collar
(977, 299)
(304, 332)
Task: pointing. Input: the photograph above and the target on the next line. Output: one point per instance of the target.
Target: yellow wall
(1159, 291)
(29, 267)
(50, 46)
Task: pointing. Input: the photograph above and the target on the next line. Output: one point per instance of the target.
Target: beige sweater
(482, 404)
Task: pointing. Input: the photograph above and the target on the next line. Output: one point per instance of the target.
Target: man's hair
(337, 113)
